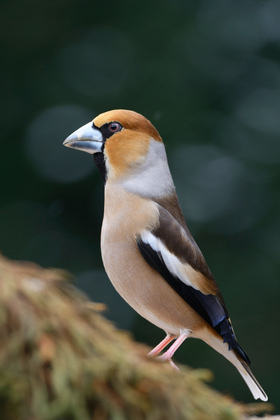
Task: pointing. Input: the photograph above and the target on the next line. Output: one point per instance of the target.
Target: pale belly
(144, 289)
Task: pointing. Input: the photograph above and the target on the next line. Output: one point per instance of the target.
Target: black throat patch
(101, 165)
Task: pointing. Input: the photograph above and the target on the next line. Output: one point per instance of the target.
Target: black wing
(211, 306)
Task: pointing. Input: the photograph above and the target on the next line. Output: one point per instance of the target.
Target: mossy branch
(60, 359)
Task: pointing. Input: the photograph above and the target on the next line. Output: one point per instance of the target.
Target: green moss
(61, 360)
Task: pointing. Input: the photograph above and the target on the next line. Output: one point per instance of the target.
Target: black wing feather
(209, 307)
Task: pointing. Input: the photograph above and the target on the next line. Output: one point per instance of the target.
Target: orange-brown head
(130, 120)
(126, 147)
(129, 144)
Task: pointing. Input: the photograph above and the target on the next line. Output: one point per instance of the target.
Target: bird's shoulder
(176, 243)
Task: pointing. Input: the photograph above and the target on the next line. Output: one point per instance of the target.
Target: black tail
(224, 328)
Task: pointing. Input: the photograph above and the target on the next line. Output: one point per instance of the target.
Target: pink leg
(162, 345)
(170, 352)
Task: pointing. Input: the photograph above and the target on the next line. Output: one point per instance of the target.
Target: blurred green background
(207, 74)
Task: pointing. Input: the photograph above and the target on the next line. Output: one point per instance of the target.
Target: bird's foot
(169, 360)
(170, 352)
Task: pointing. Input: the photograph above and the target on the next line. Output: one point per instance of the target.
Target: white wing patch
(181, 270)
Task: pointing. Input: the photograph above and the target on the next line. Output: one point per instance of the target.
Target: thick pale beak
(86, 138)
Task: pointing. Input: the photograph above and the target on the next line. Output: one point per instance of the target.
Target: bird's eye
(114, 127)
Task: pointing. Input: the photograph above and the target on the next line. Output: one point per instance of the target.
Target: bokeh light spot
(98, 64)
(260, 110)
(216, 188)
(44, 147)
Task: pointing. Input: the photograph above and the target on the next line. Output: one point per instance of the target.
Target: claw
(170, 361)
(167, 356)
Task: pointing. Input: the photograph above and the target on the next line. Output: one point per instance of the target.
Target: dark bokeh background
(207, 74)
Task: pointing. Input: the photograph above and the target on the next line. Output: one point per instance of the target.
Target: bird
(148, 252)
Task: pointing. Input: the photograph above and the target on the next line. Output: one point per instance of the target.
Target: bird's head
(125, 145)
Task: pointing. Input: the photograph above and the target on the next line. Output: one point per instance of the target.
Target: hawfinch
(147, 249)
